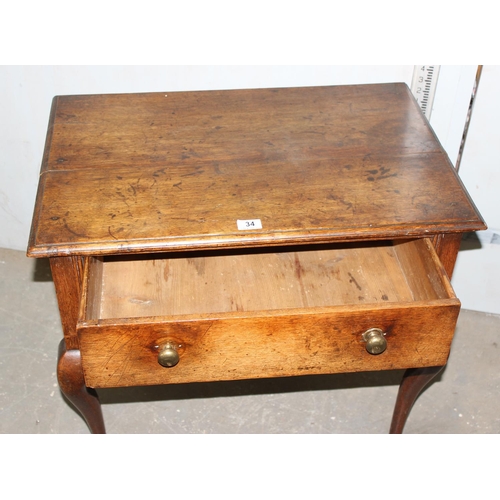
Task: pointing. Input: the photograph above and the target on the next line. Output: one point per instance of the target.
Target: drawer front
(239, 346)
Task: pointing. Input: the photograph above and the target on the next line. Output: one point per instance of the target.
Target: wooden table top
(168, 171)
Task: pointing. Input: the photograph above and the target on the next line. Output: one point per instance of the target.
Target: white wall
(477, 273)
(26, 93)
(451, 105)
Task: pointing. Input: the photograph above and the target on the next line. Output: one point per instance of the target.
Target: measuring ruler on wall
(423, 87)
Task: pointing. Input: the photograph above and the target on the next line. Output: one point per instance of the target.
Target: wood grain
(266, 314)
(187, 283)
(232, 346)
(137, 205)
(68, 276)
(152, 173)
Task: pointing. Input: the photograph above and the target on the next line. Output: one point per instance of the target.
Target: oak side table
(238, 234)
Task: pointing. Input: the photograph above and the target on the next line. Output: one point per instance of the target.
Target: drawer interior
(187, 283)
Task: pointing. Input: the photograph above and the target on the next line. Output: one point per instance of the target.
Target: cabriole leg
(413, 383)
(72, 384)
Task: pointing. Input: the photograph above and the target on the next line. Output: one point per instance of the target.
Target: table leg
(72, 384)
(413, 383)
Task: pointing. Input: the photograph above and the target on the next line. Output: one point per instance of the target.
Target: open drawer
(264, 312)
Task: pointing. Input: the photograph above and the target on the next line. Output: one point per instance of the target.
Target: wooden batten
(90, 306)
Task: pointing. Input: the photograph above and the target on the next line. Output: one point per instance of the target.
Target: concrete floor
(463, 400)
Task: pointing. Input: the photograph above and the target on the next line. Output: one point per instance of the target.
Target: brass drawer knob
(168, 355)
(375, 341)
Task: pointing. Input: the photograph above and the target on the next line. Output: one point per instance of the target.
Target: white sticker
(244, 225)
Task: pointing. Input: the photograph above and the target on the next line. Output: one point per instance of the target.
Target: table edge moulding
(222, 235)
